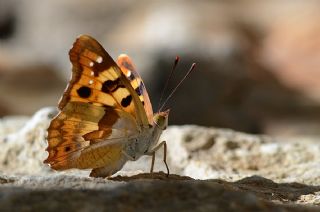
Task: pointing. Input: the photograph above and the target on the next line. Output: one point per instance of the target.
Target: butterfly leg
(152, 161)
(153, 154)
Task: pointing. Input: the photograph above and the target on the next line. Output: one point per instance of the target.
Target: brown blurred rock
(24, 90)
(292, 51)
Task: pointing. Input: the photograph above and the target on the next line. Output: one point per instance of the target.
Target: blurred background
(258, 62)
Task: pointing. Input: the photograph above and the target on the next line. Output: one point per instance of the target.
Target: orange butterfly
(105, 116)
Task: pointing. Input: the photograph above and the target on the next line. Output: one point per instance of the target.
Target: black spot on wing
(139, 89)
(111, 86)
(84, 92)
(67, 149)
(125, 102)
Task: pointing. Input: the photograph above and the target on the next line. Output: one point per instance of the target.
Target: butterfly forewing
(97, 79)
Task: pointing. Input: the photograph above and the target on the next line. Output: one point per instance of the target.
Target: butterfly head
(161, 119)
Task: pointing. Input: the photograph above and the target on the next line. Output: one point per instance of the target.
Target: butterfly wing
(99, 104)
(128, 69)
(78, 127)
(97, 79)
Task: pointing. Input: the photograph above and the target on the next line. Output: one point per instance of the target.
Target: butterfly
(105, 117)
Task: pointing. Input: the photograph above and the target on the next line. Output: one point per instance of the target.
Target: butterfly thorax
(148, 139)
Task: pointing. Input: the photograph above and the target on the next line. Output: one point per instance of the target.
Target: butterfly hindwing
(77, 127)
(128, 69)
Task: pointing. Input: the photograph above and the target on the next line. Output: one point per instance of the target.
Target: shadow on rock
(262, 187)
(269, 190)
(152, 192)
(150, 176)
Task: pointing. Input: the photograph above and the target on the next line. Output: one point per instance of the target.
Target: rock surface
(211, 169)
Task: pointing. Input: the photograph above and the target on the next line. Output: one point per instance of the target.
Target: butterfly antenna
(176, 61)
(175, 89)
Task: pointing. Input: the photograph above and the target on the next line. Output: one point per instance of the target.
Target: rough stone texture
(211, 169)
(205, 153)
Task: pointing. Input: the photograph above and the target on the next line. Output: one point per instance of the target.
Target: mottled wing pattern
(97, 79)
(127, 67)
(78, 127)
(99, 104)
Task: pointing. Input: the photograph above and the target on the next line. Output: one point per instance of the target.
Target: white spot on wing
(90, 82)
(99, 59)
(92, 73)
(91, 64)
(129, 73)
